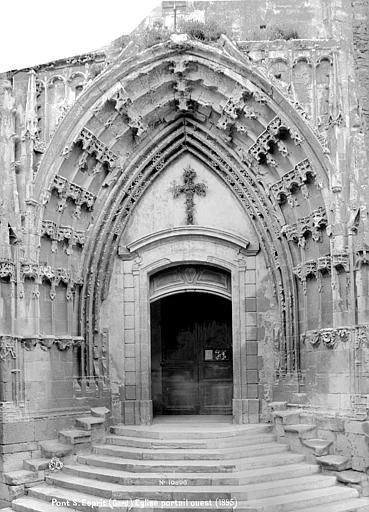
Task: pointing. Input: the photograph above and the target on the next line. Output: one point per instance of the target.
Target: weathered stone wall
(251, 19)
(361, 47)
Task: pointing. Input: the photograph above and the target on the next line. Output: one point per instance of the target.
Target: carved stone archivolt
(92, 146)
(313, 223)
(124, 106)
(296, 179)
(272, 137)
(66, 234)
(234, 152)
(67, 190)
(55, 276)
(312, 267)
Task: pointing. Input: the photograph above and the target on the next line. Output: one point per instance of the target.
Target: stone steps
(54, 448)
(301, 500)
(190, 454)
(36, 464)
(239, 477)
(151, 465)
(29, 504)
(352, 505)
(238, 441)
(89, 422)
(204, 492)
(197, 466)
(22, 476)
(171, 432)
(322, 500)
(74, 436)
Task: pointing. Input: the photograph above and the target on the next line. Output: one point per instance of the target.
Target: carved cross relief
(189, 189)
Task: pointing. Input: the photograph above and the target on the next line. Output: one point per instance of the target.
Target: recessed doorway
(191, 354)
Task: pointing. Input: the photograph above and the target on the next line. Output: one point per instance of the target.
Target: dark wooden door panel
(216, 397)
(216, 387)
(196, 354)
(180, 390)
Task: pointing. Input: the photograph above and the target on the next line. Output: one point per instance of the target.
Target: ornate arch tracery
(140, 115)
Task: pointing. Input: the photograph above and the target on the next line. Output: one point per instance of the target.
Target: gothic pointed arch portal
(209, 104)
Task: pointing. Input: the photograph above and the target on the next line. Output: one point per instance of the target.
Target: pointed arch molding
(143, 112)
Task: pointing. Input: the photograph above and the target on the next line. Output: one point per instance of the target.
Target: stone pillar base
(246, 410)
(137, 412)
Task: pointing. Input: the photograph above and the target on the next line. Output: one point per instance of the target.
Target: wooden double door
(192, 354)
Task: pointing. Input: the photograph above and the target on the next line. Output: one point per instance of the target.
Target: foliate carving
(92, 146)
(7, 270)
(8, 346)
(297, 178)
(64, 343)
(46, 342)
(67, 190)
(311, 337)
(328, 337)
(30, 343)
(314, 224)
(124, 106)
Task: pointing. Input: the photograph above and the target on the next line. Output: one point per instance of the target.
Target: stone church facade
(233, 170)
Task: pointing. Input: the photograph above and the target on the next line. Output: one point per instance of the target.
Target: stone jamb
(174, 250)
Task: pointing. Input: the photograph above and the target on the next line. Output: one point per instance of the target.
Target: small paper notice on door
(208, 355)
